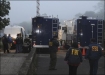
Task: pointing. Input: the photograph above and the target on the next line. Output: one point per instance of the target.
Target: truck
(43, 29)
(13, 30)
(88, 28)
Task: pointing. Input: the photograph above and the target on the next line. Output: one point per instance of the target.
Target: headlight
(102, 48)
(38, 31)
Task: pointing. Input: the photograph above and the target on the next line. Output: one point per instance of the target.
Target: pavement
(10, 63)
(62, 67)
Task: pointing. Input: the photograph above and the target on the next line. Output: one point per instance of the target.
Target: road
(62, 67)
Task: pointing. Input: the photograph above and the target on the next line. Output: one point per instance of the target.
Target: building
(88, 28)
(61, 34)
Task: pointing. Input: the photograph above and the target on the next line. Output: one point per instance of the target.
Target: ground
(62, 67)
(10, 63)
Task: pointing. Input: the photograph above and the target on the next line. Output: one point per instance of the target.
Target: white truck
(13, 30)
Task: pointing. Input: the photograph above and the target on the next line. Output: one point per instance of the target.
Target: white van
(14, 30)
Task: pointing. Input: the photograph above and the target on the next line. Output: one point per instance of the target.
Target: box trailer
(89, 28)
(43, 29)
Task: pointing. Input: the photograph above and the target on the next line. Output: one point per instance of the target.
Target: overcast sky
(23, 10)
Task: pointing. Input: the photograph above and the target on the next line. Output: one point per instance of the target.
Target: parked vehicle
(88, 28)
(43, 29)
(13, 31)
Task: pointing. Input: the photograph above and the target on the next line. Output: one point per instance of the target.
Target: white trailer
(13, 30)
(70, 30)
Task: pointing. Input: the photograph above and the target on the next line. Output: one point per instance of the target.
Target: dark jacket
(9, 39)
(73, 59)
(53, 47)
(5, 40)
(94, 51)
(19, 40)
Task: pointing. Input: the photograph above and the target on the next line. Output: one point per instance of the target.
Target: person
(5, 43)
(93, 54)
(9, 41)
(73, 58)
(61, 42)
(18, 43)
(53, 52)
(27, 44)
(21, 44)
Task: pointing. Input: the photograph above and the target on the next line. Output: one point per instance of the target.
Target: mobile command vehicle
(88, 28)
(43, 29)
(13, 31)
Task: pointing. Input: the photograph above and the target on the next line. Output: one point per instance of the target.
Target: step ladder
(54, 27)
(100, 32)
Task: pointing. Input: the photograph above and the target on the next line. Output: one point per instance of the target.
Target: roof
(14, 26)
(46, 17)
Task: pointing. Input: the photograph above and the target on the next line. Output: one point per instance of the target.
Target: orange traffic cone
(83, 52)
(34, 44)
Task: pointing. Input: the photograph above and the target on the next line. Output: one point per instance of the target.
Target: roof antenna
(38, 8)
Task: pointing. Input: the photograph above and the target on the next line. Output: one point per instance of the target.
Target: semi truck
(43, 29)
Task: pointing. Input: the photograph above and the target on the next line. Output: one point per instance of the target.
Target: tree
(27, 26)
(100, 14)
(100, 5)
(101, 10)
(90, 14)
(4, 11)
(77, 15)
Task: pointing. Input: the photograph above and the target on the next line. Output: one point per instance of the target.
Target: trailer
(88, 28)
(13, 30)
(43, 29)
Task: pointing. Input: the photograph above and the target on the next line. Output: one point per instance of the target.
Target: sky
(25, 10)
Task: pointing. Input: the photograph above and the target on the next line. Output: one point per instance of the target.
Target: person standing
(93, 54)
(21, 39)
(61, 42)
(73, 58)
(9, 41)
(18, 43)
(53, 52)
(5, 43)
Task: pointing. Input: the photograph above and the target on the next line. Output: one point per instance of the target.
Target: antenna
(38, 8)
